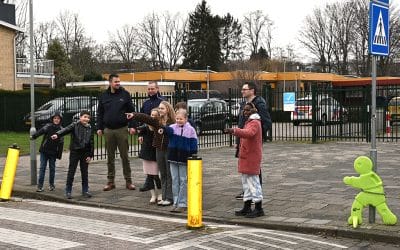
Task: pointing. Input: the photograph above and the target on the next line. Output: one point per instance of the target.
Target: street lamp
(208, 82)
(284, 73)
(33, 129)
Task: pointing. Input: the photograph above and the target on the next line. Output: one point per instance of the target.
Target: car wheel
(296, 123)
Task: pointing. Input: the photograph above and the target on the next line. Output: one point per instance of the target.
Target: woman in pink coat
(250, 156)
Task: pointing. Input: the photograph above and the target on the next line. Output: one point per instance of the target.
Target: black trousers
(76, 157)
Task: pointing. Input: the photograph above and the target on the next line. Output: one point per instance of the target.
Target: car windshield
(53, 104)
(196, 104)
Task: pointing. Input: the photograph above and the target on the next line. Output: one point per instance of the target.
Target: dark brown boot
(130, 186)
(109, 186)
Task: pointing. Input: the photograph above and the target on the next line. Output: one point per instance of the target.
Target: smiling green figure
(372, 193)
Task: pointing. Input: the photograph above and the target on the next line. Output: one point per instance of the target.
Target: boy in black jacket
(81, 150)
(50, 150)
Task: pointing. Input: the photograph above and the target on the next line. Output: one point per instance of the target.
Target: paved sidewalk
(303, 188)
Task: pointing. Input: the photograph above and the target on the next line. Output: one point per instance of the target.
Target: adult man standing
(153, 101)
(249, 91)
(112, 122)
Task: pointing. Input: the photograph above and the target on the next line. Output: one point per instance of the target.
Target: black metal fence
(335, 114)
(314, 115)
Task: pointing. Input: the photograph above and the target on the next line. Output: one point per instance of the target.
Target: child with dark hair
(50, 150)
(249, 165)
(148, 155)
(81, 151)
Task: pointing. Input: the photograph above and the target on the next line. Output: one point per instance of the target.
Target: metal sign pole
(33, 129)
(373, 152)
(378, 43)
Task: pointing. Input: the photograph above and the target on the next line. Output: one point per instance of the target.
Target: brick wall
(7, 55)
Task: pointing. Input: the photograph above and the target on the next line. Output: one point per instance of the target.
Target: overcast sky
(100, 16)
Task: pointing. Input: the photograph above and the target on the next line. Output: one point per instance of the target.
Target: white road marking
(119, 231)
(78, 224)
(35, 241)
(305, 239)
(259, 235)
(124, 213)
(259, 242)
(217, 237)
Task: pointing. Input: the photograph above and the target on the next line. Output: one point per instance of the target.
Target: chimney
(7, 12)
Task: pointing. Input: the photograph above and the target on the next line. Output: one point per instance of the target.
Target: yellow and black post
(194, 196)
(9, 172)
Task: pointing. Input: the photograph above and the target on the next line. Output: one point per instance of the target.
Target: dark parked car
(208, 115)
(67, 106)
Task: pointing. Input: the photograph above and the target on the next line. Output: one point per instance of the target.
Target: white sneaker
(166, 203)
(160, 202)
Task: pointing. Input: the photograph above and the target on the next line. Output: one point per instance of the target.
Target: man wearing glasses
(249, 92)
(112, 122)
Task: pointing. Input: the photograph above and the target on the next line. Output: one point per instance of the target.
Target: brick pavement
(303, 189)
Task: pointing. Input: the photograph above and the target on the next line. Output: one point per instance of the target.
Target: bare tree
(389, 65)
(71, 31)
(44, 33)
(21, 40)
(125, 44)
(341, 15)
(174, 29)
(361, 61)
(257, 30)
(152, 39)
(316, 37)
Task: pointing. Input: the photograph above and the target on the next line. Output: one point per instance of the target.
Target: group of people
(167, 140)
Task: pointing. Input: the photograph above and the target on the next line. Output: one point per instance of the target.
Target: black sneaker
(68, 195)
(39, 189)
(52, 187)
(239, 196)
(86, 194)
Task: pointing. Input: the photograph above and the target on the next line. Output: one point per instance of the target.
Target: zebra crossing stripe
(35, 241)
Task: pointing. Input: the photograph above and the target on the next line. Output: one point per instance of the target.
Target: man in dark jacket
(154, 99)
(249, 90)
(112, 122)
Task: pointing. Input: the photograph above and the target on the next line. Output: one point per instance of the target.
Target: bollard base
(194, 227)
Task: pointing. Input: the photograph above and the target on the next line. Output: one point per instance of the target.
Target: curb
(334, 231)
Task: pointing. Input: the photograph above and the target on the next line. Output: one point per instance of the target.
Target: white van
(328, 111)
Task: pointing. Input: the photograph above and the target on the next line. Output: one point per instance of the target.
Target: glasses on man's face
(245, 89)
(116, 81)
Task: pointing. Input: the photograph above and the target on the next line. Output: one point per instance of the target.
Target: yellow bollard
(9, 172)
(194, 196)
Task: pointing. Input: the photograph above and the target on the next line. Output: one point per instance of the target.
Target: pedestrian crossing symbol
(380, 34)
(379, 39)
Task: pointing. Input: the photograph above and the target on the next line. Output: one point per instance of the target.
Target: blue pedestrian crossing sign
(379, 29)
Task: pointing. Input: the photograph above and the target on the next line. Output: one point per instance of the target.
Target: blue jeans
(179, 183)
(44, 158)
